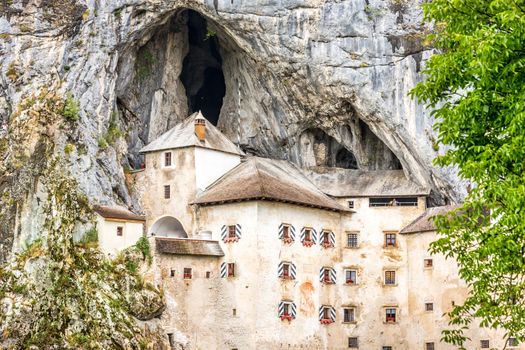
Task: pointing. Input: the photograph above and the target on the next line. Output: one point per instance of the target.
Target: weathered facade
(265, 255)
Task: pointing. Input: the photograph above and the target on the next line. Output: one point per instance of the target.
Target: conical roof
(265, 179)
(183, 135)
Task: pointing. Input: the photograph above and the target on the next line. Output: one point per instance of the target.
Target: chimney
(200, 127)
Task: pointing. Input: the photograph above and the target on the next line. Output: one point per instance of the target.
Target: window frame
(232, 232)
(354, 314)
(352, 344)
(167, 191)
(429, 345)
(167, 155)
(428, 263)
(348, 240)
(308, 237)
(429, 306)
(120, 231)
(355, 281)
(483, 342)
(391, 313)
(390, 281)
(512, 344)
(187, 273)
(230, 269)
(388, 239)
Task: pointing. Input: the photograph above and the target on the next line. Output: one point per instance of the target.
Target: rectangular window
(208, 274)
(386, 348)
(512, 341)
(326, 313)
(326, 238)
(286, 308)
(172, 273)
(485, 344)
(187, 273)
(390, 278)
(429, 346)
(393, 202)
(120, 230)
(231, 269)
(234, 312)
(351, 276)
(351, 239)
(286, 270)
(286, 232)
(349, 314)
(390, 239)
(351, 204)
(231, 231)
(390, 314)
(326, 276)
(429, 306)
(428, 263)
(352, 343)
(167, 159)
(167, 191)
(307, 235)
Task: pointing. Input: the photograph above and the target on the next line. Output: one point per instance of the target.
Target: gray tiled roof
(117, 212)
(424, 222)
(186, 246)
(183, 135)
(266, 179)
(338, 182)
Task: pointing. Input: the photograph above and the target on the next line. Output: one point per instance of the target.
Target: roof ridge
(260, 182)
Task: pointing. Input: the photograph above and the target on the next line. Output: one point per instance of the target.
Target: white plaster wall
(440, 285)
(108, 240)
(211, 165)
(180, 176)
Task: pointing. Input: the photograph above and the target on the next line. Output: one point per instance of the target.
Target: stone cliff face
(316, 82)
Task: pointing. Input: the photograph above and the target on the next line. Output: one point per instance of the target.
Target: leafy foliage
(71, 109)
(476, 87)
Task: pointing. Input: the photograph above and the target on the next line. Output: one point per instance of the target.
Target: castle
(256, 253)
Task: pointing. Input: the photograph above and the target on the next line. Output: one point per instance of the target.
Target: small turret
(200, 127)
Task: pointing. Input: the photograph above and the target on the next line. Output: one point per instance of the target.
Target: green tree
(476, 88)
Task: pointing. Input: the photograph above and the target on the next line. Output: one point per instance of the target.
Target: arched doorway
(168, 226)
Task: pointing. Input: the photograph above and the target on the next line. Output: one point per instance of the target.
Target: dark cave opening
(345, 159)
(202, 74)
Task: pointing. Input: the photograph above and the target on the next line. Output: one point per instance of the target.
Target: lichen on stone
(59, 293)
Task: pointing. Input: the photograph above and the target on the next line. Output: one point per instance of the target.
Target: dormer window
(167, 159)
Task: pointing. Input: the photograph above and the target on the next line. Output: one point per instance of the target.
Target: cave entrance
(202, 74)
(324, 150)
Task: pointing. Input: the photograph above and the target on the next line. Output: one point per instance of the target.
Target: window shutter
(314, 236)
(224, 269)
(302, 234)
(292, 233)
(281, 309)
(321, 309)
(293, 271)
(332, 239)
(294, 310)
(224, 230)
(332, 313)
(321, 275)
(280, 270)
(281, 229)
(238, 231)
(332, 275)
